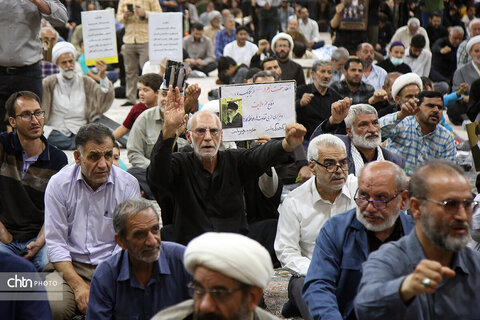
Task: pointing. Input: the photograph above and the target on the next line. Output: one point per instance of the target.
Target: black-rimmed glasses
(333, 167)
(28, 116)
(377, 204)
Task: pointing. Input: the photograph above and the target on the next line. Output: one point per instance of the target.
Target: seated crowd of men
(360, 239)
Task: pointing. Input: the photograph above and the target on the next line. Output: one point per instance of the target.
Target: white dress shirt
(302, 215)
(309, 30)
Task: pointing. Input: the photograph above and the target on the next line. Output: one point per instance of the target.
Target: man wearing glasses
(346, 240)
(230, 272)
(27, 161)
(207, 184)
(431, 273)
(304, 211)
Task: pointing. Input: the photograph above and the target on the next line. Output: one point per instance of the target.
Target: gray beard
(445, 242)
(363, 142)
(387, 223)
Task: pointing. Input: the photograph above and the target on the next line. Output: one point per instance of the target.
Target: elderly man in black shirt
(207, 184)
(314, 100)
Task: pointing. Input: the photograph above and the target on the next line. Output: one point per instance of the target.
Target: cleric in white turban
(404, 80)
(61, 48)
(231, 254)
(230, 272)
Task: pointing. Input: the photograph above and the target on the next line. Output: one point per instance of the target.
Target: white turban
(61, 48)
(404, 80)
(284, 36)
(473, 41)
(214, 14)
(233, 255)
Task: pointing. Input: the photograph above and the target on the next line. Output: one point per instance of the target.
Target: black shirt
(203, 201)
(317, 110)
(445, 64)
(292, 71)
(361, 95)
(388, 66)
(374, 243)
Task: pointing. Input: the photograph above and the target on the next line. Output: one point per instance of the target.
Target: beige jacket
(96, 101)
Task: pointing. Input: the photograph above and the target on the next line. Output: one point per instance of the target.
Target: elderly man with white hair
(330, 191)
(207, 184)
(463, 57)
(464, 77)
(71, 100)
(363, 136)
(444, 55)
(405, 34)
(230, 272)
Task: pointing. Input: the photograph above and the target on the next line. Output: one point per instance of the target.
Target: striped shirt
(406, 139)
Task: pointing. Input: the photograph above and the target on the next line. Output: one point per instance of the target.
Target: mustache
(372, 214)
(149, 248)
(459, 224)
(371, 134)
(209, 316)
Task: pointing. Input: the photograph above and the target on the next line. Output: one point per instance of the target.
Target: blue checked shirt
(406, 139)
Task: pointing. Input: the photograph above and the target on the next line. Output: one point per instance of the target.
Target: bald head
(385, 170)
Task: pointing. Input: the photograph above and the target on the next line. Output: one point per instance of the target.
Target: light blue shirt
(379, 290)
(78, 219)
(406, 139)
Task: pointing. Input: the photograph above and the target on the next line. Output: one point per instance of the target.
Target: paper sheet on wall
(165, 37)
(99, 36)
(248, 111)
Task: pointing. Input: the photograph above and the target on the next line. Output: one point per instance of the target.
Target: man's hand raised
(340, 110)
(174, 114)
(409, 108)
(294, 133)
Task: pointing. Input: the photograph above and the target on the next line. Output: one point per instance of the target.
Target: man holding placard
(207, 184)
(71, 100)
(134, 15)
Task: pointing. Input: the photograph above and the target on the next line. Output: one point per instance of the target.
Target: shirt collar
(44, 156)
(159, 267)
(416, 254)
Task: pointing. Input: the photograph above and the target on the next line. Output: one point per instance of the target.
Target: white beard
(69, 74)
(363, 142)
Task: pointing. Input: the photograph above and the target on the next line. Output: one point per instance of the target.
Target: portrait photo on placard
(231, 113)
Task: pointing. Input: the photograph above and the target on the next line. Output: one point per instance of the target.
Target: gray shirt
(202, 49)
(20, 26)
(379, 290)
(144, 135)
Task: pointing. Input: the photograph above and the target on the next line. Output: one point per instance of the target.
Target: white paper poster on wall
(248, 111)
(99, 36)
(165, 37)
